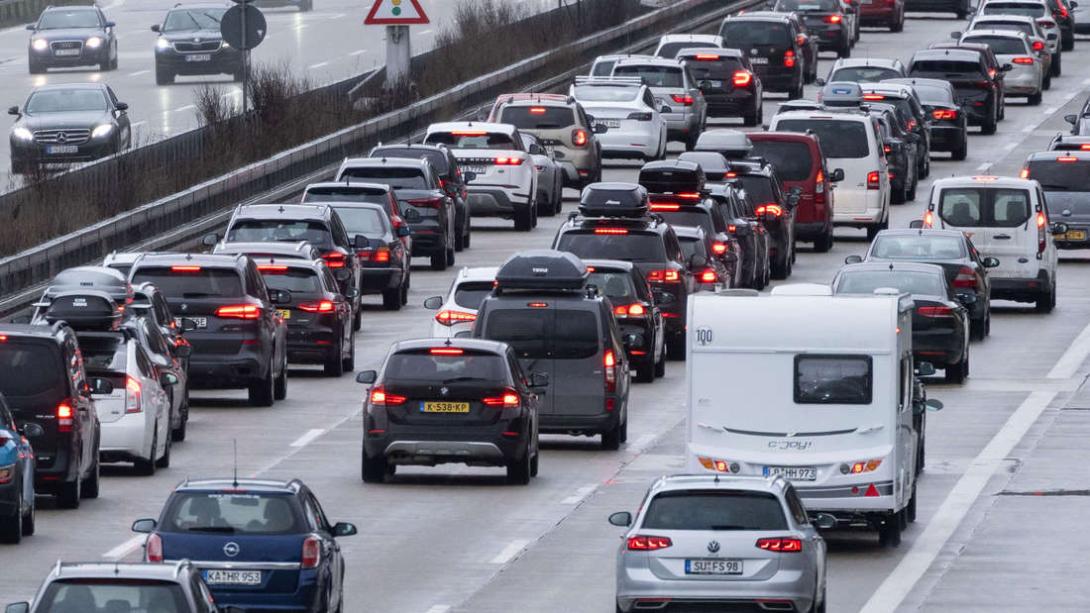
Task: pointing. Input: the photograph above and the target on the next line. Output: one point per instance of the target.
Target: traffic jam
(717, 287)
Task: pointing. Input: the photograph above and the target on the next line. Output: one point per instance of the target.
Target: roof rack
(593, 80)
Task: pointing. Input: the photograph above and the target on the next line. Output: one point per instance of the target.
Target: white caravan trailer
(814, 387)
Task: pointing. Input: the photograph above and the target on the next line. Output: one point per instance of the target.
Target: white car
(864, 70)
(603, 64)
(500, 174)
(1006, 218)
(1026, 76)
(458, 310)
(671, 44)
(550, 176)
(1037, 10)
(1042, 48)
(136, 415)
(636, 128)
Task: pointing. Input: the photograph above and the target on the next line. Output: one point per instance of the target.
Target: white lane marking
(580, 494)
(318, 65)
(984, 166)
(1073, 357)
(181, 109)
(1050, 110)
(138, 73)
(358, 52)
(123, 550)
(439, 608)
(306, 439)
(510, 551)
(1010, 146)
(1029, 129)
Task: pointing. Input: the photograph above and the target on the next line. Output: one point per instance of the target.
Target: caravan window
(833, 379)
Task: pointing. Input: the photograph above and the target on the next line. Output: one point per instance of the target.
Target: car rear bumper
(494, 202)
(483, 445)
(876, 13)
(946, 138)
(811, 230)
(629, 143)
(1022, 81)
(226, 372)
(637, 582)
(1020, 290)
(583, 424)
(311, 344)
(733, 104)
(952, 6)
(429, 240)
(126, 439)
(304, 598)
(779, 81)
(374, 280)
(939, 347)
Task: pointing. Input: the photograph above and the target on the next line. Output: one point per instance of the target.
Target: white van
(829, 406)
(851, 141)
(1006, 218)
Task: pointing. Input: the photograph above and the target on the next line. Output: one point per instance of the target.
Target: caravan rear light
(579, 137)
(380, 398)
(449, 317)
(132, 395)
(862, 466)
(684, 99)
(610, 231)
(874, 180)
(509, 399)
(642, 542)
(780, 545)
(663, 276)
(965, 278)
(312, 552)
(631, 310)
(719, 466)
(742, 78)
(935, 311)
(153, 548)
(65, 417)
(609, 362)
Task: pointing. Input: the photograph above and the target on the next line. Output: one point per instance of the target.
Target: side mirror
(622, 519)
(925, 369)
(825, 521)
(665, 109)
(144, 526)
(1059, 228)
(366, 377)
(1074, 5)
(837, 175)
(1007, 68)
(155, 28)
(342, 274)
(539, 379)
(600, 128)
(343, 528)
(469, 175)
(361, 242)
(183, 351)
(18, 607)
(433, 302)
(697, 261)
(32, 26)
(110, 24)
(1071, 119)
(934, 405)
(990, 262)
(967, 299)
(351, 293)
(32, 430)
(853, 259)
(168, 379)
(279, 296)
(14, 110)
(102, 386)
(915, 224)
(406, 230)
(210, 240)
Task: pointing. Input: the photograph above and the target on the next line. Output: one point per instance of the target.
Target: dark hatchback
(900, 154)
(260, 545)
(773, 208)
(710, 272)
(977, 91)
(384, 262)
(66, 36)
(947, 125)
(639, 319)
(748, 232)
(333, 192)
(438, 401)
(728, 81)
(773, 48)
(1065, 178)
(190, 43)
(940, 323)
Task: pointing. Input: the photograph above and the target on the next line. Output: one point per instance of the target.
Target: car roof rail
(608, 80)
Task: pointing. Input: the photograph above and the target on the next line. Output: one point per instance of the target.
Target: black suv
(613, 222)
(75, 122)
(44, 382)
(775, 47)
(978, 88)
(637, 315)
(190, 43)
(900, 152)
(746, 229)
(450, 179)
(386, 263)
(912, 118)
(440, 401)
(825, 20)
(67, 36)
(239, 340)
(774, 208)
(729, 84)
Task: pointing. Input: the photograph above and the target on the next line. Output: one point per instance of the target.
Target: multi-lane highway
(460, 539)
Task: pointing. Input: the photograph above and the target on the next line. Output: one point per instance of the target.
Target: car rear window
(653, 76)
(792, 160)
(671, 49)
(714, 510)
(103, 353)
(864, 74)
(601, 93)
(472, 293)
(630, 247)
(344, 194)
(397, 178)
(358, 220)
(616, 285)
(692, 245)
(1061, 176)
(1015, 26)
(186, 281)
(740, 34)
(232, 513)
(603, 68)
(1013, 8)
(280, 231)
(30, 368)
(758, 189)
(421, 365)
(113, 594)
(933, 95)
(1000, 45)
(471, 139)
(538, 117)
(438, 159)
(952, 67)
(984, 207)
(839, 139)
(918, 247)
(833, 379)
(866, 281)
(694, 217)
(826, 6)
(717, 71)
(565, 334)
(301, 280)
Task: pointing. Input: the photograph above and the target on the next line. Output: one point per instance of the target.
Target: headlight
(94, 42)
(162, 43)
(39, 44)
(22, 134)
(224, 45)
(102, 130)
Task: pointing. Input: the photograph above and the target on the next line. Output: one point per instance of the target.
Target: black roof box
(84, 310)
(613, 200)
(542, 269)
(672, 177)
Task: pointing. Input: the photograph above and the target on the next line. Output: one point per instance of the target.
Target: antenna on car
(234, 442)
(447, 343)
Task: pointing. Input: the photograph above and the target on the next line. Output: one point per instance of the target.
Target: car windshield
(366, 221)
(920, 246)
(471, 139)
(472, 293)
(103, 353)
(832, 379)
(602, 93)
(187, 20)
(185, 281)
(234, 512)
(345, 194)
(66, 101)
(1054, 176)
(864, 74)
(953, 67)
(113, 594)
(839, 139)
(792, 160)
(538, 117)
(30, 368)
(653, 76)
(615, 284)
(420, 365)
(64, 19)
(970, 207)
(714, 510)
(1000, 45)
(1013, 8)
(631, 247)
(280, 231)
(866, 281)
(745, 33)
(397, 178)
(300, 280)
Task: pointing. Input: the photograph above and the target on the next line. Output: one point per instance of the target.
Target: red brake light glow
(446, 351)
(537, 110)
(709, 276)
(1067, 159)
(631, 310)
(469, 132)
(669, 276)
(334, 259)
(272, 269)
(64, 417)
(665, 207)
(1038, 45)
(579, 137)
(833, 19)
(935, 311)
(742, 78)
(450, 317)
(379, 397)
(780, 545)
(239, 311)
(1025, 61)
(648, 543)
(509, 399)
(324, 306)
(610, 231)
(789, 58)
(707, 57)
(153, 548)
(1024, 173)
(873, 97)
(508, 161)
(873, 180)
(719, 248)
(965, 278)
(184, 269)
(1084, 147)
(609, 361)
(928, 219)
(945, 114)
(685, 99)
(774, 210)
(1041, 220)
(132, 395)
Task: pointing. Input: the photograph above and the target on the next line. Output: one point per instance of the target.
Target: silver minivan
(543, 308)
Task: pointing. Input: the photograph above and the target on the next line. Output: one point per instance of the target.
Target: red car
(885, 13)
(800, 163)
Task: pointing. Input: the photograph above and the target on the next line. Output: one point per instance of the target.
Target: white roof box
(802, 289)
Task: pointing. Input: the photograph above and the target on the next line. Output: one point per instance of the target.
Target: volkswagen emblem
(713, 547)
(231, 549)
(443, 391)
(62, 137)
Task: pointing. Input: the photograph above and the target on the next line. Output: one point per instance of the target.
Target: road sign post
(397, 16)
(244, 27)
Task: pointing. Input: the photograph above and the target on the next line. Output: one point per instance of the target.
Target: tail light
(965, 278)
(685, 99)
(610, 231)
(935, 311)
(133, 395)
(833, 19)
(789, 59)
(631, 310)
(659, 206)
(1042, 235)
(335, 259)
(709, 276)
(239, 311)
(153, 548)
(707, 57)
(720, 248)
(1038, 45)
(537, 110)
(944, 114)
(509, 399)
(780, 545)
(887, 148)
(502, 160)
(379, 398)
(1062, 13)
(436, 202)
(1067, 159)
(1025, 61)
(375, 256)
(312, 552)
(663, 276)
(648, 543)
(874, 180)
(1024, 173)
(731, 229)
(773, 210)
(640, 116)
(449, 317)
(65, 417)
(185, 269)
(324, 306)
(742, 78)
(579, 137)
(609, 362)
(1046, 23)
(929, 220)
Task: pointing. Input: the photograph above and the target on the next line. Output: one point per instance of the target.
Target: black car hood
(58, 121)
(69, 33)
(192, 35)
(1078, 203)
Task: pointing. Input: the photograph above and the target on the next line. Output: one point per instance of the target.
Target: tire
(524, 220)
(977, 330)
(280, 387)
(845, 50)
(1057, 65)
(261, 392)
(518, 472)
(752, 119)
(165, 77)
(113, 62)
(391, 299)
(349, 363)
(962, 150)
(535, 463)
(164, 462)
(645, 373)
(611, 440)
(961, 14)
(178, 434)
(873, 231)
(1067, 43)
(439, 261)
(910, 510)
(459, 240)
(899, 25)
(404, 291)
(660, 366)
(334, 365)
(898, 195)
(11, 528)
(68, 496)
(1035, 99)
(30, 521)
(989, 126)
(373, 470)
(910, 194)
(1048, 81)
(675, 348)
(889, 533)
(89, 487)
(1046, 302)
(357, 320)
(956, 373)
(781, 270)
(825, 242)
(146, 468)
(35, 67)
(450, 256)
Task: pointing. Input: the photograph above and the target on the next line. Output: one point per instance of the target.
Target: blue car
(16, 477)
(258, 544)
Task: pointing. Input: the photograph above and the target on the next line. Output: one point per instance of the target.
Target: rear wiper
(223, 529)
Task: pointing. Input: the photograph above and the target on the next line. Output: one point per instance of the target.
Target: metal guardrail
(15, 12)
(178, 220)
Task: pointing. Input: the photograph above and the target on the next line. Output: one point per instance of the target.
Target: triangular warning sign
(396, 13)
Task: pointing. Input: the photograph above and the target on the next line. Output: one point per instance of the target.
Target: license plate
(1073, 235)
(478, 170)
(61, 149)
(232, 577)
(444, 407)
(609, 123)
(198, 322)
(792, 473)
(66, 52)
(199, 57)
(713, 567)
(284, 313)
(712, 83)
(758, 60)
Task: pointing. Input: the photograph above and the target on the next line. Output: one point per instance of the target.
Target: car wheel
(164, 462)
(1047, 84)
(1057, 65)
(349, 364)
(645, 373)
(89, 486)
(178, 434)
(459, 239)
(450, 256)
(976, 330)
(925, 167)
(404, 293)
(439, 260)
(962, 150)
(280, 387)
(845, 50)
(535, 463)
(889, 533)
(518, 472)
(611, 439)
(11, 528)
(524, 221)
(1047, 301)
(956, 373)
(990, 124)
(68, 496)
(391, 299)
(825, 242)
(898, 25)
(752, 118)
(373, 470)
(334, 365)
(675, 347)
(910, 193)
(819, 603)
(164, 76)
(660, 366)
(30, 520)
(261, 392)
(145, 467)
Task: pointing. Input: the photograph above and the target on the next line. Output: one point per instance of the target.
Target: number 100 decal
(704, 336)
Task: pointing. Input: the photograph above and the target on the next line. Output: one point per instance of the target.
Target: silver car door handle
(1003, 237)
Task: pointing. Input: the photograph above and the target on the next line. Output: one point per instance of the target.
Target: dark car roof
(766, 16)
(385, 187)
(960, 55)
(496, 347)
(388, 161)
(308, 211)
(27, 330)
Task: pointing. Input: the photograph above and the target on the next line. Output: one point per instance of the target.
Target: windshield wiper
(223, 529)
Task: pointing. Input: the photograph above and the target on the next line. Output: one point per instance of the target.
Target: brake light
(610, 231)
(1024, 173)
(579, 137)
(966, 278)
(312, 552)
(707, 57)
(935, 311)
(873, 97)
(1038, 45)
(65, 415)
(1025, 61)
(944, 114)
(537, 110)
(1083, 147)
(324, 306)
(928, 219)
(271, 269)
(450, 317)
(185, 269)
(833, 19)
(446, 351)
(774, 210)
(685, 99)
(1067, 159)
(873, 180)
(780, 545)
(436, 202)
(789, 58)
(709, 276)
(133, 395)
(887, 148)
(609, 361)
(648, 543)
(1063, 12)
(661, 276)
(538, 305)
(509, 399)
(153, 548)
(380, 398)
(665, 207)
(469, 132)
(508, 161)
(239, 311)
(632, 310)
(742, 78)
(731, 229)
(335, 259)
(719, 247)
(377, 256)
